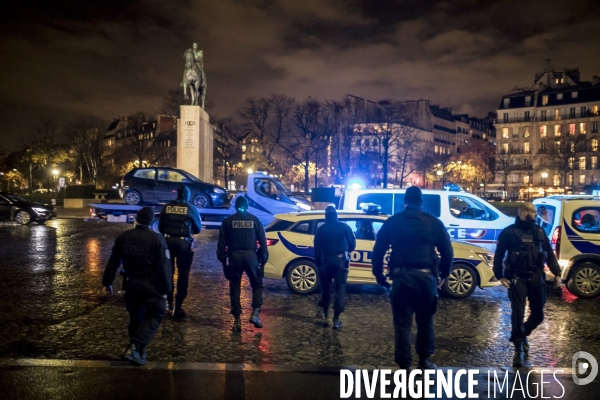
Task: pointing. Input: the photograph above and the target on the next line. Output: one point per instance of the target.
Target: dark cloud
(105, 58)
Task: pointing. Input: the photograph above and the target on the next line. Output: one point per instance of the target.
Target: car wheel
(133, 197)
(201, 200)
(23, 217)
(584, 281)
(461, 282)
(302, 277)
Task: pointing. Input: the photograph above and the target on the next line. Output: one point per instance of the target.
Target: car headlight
(487, 258)
(304, 207)
(40, 210)
(218, 190)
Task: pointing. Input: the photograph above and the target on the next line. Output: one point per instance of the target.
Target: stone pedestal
(195, 143)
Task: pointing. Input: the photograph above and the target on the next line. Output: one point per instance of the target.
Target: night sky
(65, 59)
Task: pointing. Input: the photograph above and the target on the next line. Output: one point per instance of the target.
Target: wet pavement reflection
(52, 306)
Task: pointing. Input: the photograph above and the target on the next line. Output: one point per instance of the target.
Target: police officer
(147, 280)
(334, 241)
(522, 251)
(237, 251)
(413, 236)
(179, 220)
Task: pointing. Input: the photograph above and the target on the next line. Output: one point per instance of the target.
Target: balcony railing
(576, 115)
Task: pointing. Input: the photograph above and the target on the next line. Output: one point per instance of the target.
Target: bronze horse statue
(193, 77)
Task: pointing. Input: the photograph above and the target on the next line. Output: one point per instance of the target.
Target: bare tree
(350, 115)
(85, 137)
(305, 140)
(139, 141)
(562, 153)
(46, 148)
(507, 161)
(227, 149)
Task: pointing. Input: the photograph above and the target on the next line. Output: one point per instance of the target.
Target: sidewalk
(66, 379)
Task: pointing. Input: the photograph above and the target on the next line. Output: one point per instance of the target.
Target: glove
(382, 280)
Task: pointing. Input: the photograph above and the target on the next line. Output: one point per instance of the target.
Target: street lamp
(249, 170)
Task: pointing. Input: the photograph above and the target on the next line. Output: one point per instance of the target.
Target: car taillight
(556, 241)
(271, 242)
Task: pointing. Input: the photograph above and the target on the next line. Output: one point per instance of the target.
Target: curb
(198, 366)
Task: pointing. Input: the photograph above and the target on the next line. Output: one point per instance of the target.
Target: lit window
(505, 148)
(436, 149)
(244, 157)
(545, 100)
(572, 147)
(570, 180)
(526, 134)
(557, 114)
(556, 180)
(594, 162)
(582, 128)
(557, 144)
(595, 109)
(571, 129)
(543, 131)
(506, 103)
(526, 179)
(526, 147)
(594, 144)
(571, 162)
(582, 163)
(556, 130)
(505, 133)
(581, 179)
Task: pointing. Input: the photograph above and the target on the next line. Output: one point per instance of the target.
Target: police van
(572, 222)
(291, 253)
(467, 217)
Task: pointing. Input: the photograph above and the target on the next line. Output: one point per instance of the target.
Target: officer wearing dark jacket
(522, 251)
(179, 220)
(147, 280)
(413, 236)
(237, 250)
(333, 243)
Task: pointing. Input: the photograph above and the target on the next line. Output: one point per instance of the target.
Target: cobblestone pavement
(52, 306)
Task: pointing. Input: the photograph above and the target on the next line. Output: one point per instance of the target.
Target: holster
(337, 261)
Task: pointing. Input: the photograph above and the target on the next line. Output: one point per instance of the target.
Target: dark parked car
(13, 207)
(159, 185)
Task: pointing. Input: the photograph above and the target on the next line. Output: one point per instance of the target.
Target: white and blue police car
(467, 217)
(291, 253)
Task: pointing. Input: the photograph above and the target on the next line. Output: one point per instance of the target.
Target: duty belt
(398, 270)
(187, 239)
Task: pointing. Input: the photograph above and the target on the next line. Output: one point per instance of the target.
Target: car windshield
(281, 187)
(192, 177)
(13, 197)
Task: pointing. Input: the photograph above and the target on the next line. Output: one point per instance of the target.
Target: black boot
(337, 324)
(519, 358)
(132, 353)
(424, 364)
(179, 313)
(323, 317)
(254, 318)
(237, 325)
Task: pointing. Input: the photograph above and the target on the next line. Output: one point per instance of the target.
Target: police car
(291, 253)
(572, 223)
(467, 218)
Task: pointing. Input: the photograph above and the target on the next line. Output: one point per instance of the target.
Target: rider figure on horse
(194, 74)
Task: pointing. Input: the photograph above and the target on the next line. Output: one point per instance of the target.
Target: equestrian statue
(193, 76)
